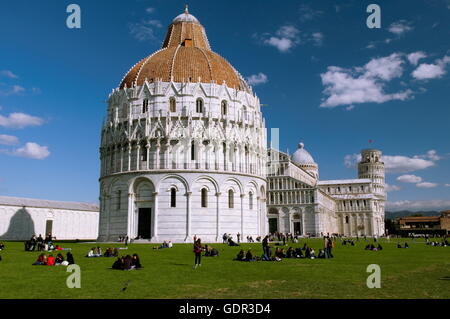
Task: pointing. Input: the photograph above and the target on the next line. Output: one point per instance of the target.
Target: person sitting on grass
(298, 253)
(59, 259)
(321, 254)
(2, 246)
(136, 262)
(50, 260)
(98, 252)
(379, 247)
(91, 253)
(41, 261)
(108, 252)
(231, 242)
(127, 263)
(249, 255)
(118, 264)
(312, 253)
(70, 259)
(290, 253)
(399, 246)
(406, 245)
(240, 256)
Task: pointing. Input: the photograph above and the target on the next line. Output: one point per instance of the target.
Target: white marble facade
(299, 203)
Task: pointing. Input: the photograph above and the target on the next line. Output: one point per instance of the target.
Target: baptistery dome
(185, 56)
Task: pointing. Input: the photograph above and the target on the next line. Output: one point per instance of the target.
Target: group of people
(43, 260)
(97, 252)
(127, 262)
(400, 246)
(444, 243)
(40, 244)
(124, 239)
(372, 247)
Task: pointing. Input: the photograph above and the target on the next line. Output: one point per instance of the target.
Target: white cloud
(363, 84)
(404, 164)
(351, 160)
(32, 150)
(8, 139)
(414, 57)
(150, 10)
(307, 13)
(317, 38)
(144, 31)
(417, 205)
(15, 89)
(399, 163)
(400, 27)
(286, 37)
(427, 71)
(20, 120)
(447, 185)
(256, 79)
(391, 188)
(8, 74)
(426, 185)
(409, 179)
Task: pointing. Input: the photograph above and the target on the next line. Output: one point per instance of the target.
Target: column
(129, 156)
(157, 152)
(303, 223)
(188, 216)
(147, 149)
(218, 216)
(242, 215)
(138, 152)
(121, 158)
(350, 222)
(155, 216)
(131, 217)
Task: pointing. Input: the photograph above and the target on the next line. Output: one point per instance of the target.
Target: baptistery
(183, 146)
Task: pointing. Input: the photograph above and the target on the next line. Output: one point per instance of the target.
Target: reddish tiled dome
(185, 56)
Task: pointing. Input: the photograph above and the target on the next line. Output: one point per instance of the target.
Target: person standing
(198, 253)
(265, 244)
(238, 238)
(126, 241)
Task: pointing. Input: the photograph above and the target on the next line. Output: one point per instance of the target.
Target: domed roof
(302, 156)
(185, 57)
(185, 17)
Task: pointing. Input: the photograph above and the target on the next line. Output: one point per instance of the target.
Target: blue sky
(327, 79)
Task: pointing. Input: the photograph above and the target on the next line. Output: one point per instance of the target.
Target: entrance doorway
(48, 227)
(273, 225)
(144, 223)
(297, 228)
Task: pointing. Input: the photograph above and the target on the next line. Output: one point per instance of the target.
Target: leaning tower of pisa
(372, 167)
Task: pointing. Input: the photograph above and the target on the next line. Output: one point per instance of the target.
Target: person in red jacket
(50, 260)
(198, 252)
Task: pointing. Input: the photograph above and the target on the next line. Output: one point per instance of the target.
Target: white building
(299, 203)
(183, 147)
(183, 153)
(20, 218)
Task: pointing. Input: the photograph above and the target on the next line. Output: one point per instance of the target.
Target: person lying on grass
(210, 251)
(164, 245)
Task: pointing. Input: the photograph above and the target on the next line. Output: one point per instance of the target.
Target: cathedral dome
(302, 156)
(185, 56)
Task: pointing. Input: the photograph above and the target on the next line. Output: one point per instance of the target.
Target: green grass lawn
(168, 273)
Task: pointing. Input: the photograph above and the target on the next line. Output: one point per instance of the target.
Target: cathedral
(184, 152)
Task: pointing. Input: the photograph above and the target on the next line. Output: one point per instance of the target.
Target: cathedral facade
(183, 153)
(298, 202)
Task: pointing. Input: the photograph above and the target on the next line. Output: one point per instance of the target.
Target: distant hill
(403, 213)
